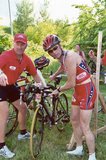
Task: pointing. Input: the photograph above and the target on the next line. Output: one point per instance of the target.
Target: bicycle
(57, 116)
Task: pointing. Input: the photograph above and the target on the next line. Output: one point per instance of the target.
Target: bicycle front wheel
(12, 121)
(61, 111)
(37, 130)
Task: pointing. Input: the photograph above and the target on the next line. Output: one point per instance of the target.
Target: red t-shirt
(13, 68)
(104, 59)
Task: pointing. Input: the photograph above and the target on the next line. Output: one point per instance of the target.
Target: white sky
(58, 9)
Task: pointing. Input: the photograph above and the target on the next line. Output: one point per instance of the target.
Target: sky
(58, 9)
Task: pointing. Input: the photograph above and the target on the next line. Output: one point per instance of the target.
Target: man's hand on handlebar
(54, 93)
(52, 77)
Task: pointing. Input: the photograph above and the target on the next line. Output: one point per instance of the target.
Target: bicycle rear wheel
(61, 111)
(12, 121)
(37, 130)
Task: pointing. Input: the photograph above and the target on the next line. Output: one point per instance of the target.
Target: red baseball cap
(20, 37)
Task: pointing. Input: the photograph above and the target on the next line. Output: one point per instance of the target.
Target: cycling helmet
(41, 62)
(50, 41)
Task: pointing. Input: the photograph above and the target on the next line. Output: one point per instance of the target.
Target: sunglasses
(53, 49)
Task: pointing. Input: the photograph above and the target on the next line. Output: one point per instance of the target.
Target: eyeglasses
(53, 49)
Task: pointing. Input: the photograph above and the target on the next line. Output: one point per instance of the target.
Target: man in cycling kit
(78, 78)
(12, 63)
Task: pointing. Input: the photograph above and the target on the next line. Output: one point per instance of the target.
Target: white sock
(92, 156)
(78, 151)
(79, 148)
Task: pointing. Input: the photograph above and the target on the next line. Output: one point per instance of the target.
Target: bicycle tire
(12, 121)
(61, 112)
(37, 131)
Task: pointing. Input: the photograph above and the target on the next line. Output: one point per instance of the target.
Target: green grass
(54, 146)
(54, 143)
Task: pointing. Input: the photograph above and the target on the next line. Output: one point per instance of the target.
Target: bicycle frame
(51, 116)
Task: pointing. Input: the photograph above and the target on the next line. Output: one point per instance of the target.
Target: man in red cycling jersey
(78, 78)
(12, 63)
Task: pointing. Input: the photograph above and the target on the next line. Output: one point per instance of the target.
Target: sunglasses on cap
(53, 49)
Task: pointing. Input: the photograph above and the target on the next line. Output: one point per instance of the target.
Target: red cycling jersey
(104, 59)
(82, 73)
(12, 67)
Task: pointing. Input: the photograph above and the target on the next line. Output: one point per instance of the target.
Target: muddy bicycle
(49, 110)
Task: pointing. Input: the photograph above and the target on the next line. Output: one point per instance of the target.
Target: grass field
(54, 144)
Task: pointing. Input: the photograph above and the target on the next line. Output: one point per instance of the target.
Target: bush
(5, 41)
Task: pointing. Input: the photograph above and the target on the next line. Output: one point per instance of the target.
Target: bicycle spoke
(61, 111)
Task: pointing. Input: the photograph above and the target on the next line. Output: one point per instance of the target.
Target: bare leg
(22, 114)
(4, 110)
(77, 131)
(3, 119)
(75, 119)
(85, 117)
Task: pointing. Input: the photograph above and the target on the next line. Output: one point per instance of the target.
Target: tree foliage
(5, 41)
(43, 11)
(91, 20)
(24, 17)
(84, 31)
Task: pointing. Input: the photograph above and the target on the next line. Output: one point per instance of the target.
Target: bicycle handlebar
(35, 89)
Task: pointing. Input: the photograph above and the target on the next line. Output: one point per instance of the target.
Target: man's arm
(93, 57)
(38, 78)
(59, 71)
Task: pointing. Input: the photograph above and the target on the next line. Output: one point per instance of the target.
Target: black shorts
(9, 93)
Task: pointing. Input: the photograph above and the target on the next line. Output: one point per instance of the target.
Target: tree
(5, 41)
(43, 11)
(24, 16)
(90, 21)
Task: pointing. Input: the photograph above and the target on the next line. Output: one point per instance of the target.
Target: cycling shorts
(84, 96)
(9, 93)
